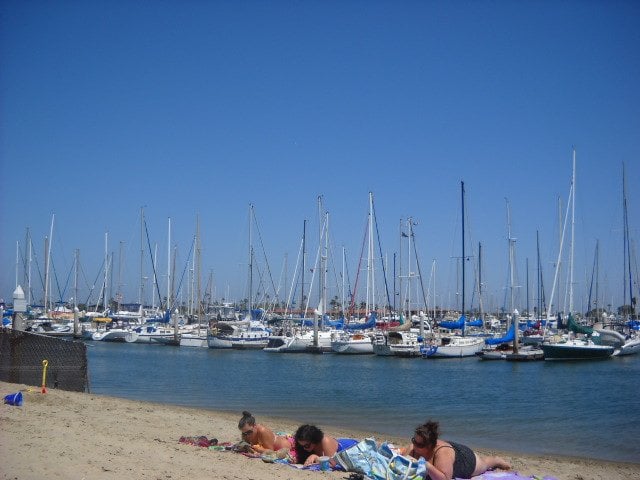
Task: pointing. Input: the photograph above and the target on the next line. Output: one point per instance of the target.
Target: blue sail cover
(453, 325)
(371, 323)
(633, 324)
(509, 336)
(474, 323)
(305, 322)
(337, 324)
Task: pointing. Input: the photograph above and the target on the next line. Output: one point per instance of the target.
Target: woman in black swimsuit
(447, 460)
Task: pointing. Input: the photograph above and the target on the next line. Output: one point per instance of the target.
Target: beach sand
(70, 435)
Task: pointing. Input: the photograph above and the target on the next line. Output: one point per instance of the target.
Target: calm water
(589, 409)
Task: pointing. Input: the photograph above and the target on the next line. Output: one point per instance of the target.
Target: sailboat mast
(409, 274)
(106, 270)
(511, 242)
(141, 290)
(626, 268)
(75, 294)
(303, 312)
(30, 245)
(47, 280)
(573, 221)
(463, 253)
(370, 277)
(17, 262)
(343, 279)
(250, 259)
(119, 292)
(321, 277)
(325, 259)
(75, 279)
(539, 302)
(400, 278)
(169, 265)
(480, 282)
(155, 278)
(198, 266)
(527, 284)
(514, 316)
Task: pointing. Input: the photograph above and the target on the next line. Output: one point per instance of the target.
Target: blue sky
(198, 109)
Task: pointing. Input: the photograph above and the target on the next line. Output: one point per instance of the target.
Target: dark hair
(306, 433)
(247, 418)
(429, 431)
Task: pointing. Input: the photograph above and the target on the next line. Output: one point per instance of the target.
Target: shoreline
(72, 435)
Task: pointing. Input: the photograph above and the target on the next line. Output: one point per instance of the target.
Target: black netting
(22, 353)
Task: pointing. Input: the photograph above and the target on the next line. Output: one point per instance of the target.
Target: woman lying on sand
(312, 443)
(447, 460)
(261, 438)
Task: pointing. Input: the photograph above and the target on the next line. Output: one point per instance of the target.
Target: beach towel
(199, 441)
(500, 475)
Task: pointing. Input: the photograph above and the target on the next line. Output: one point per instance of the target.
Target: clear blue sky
(200, 108)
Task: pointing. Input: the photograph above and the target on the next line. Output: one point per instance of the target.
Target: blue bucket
(14, 399)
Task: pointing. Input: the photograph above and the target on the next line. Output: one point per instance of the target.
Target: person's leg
(486, 463)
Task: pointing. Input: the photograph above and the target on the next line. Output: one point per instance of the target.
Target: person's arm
(407, 451)
(328, 447)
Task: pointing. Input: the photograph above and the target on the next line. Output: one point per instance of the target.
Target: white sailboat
(196, 337)
(305, 335)
(455, 346)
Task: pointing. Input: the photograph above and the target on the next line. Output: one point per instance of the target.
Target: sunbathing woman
(312, 443)
(260, 437)
(447, 460)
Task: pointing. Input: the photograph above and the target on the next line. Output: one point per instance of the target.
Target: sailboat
(251, 332)
(356, 338)
(514, 351)
(627, 343)
(575, 348)
(196, 337)
(454, 346)
(306, 335)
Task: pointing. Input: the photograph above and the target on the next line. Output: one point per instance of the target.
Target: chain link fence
(22, 355)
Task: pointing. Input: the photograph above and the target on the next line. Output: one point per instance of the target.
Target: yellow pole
(45, 364)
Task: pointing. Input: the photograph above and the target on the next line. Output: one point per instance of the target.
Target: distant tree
(625, 310)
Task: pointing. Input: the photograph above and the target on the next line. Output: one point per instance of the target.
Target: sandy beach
(70, 435)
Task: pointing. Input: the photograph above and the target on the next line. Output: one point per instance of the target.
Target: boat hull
(573, 351)
(301, 343)
(190, 340)
(456, 347)
(352, 344)
(353, 347)
(113, 335)
(630, 347)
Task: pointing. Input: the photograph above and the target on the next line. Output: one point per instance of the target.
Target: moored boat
(576, 349)
(351, 343)
(453, 346)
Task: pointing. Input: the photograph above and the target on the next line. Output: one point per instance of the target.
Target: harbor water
(587, 409)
